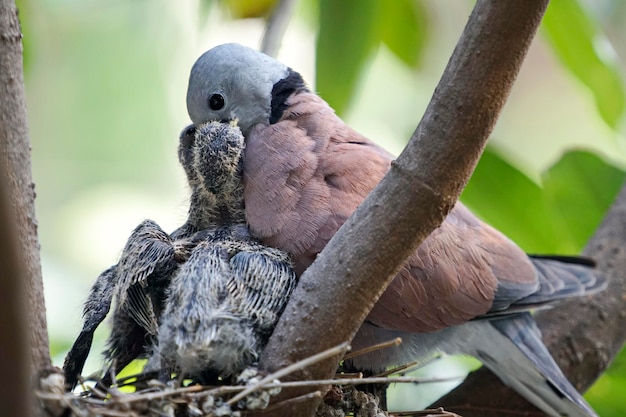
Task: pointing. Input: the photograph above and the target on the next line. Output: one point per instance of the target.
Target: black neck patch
(293, 83)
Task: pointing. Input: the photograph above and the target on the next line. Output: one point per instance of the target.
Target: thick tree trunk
(19, 215)
(14, 361)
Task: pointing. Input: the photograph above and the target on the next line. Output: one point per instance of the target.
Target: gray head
(234, 82)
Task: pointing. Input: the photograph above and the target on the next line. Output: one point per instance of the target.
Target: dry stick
(94, 390)
(349, 375)
(79, 412)
(140, 377)
(328, 353)
(114, 413)
(363, 381)
(426, 413)
(159, 394)
(276, 26)
(406, 367)
(293, 400)
(400, 369)
(66, 399)
(379, 346)
(341, 286)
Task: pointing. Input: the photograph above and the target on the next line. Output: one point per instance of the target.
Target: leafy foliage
(557, 216)
(403, 28)
(578, 41)
(347, 35)
(351, 30)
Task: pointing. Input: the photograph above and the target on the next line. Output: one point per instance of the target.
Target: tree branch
(14, 386)
(276, 26)
(15, 167)
(582, 334)
(336, 293)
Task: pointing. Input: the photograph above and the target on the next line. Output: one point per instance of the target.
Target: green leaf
(509, 201)
(558, 217)
(579, 189)
(347, 36)
(403, 28)
(576, 39)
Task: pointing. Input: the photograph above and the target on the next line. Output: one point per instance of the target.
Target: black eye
(216, 101)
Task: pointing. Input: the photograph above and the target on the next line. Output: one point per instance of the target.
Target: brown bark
(19, 190)
(582, 335)
(14, 362)
(340, 288)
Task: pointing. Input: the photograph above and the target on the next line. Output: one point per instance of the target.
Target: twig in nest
(161, 399)
(328, 353)
(403, 369)
(362, 381)
(158, 394)
(291, 401)
(379, 346)
(349, 375)
(400, 369)
(431, 412)
(135, 378)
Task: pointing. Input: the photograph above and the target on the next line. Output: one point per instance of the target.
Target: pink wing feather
(306, 174)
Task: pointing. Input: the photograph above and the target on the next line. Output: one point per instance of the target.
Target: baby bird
(222, 306)
(203, 300)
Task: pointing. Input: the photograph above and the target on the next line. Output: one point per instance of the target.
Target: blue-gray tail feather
(564, 277)
(522, 330)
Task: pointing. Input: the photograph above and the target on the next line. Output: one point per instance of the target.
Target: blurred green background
(106, 84)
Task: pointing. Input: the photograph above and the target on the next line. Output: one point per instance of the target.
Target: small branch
(364, 381)
(598, 336)
(312, 360)
(277, 26)
(395, 342)
(291, 401)
(346, 279)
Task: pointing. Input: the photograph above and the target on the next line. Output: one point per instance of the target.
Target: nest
(250, 394)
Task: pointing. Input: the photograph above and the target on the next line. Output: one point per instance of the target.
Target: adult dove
(467, 288)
